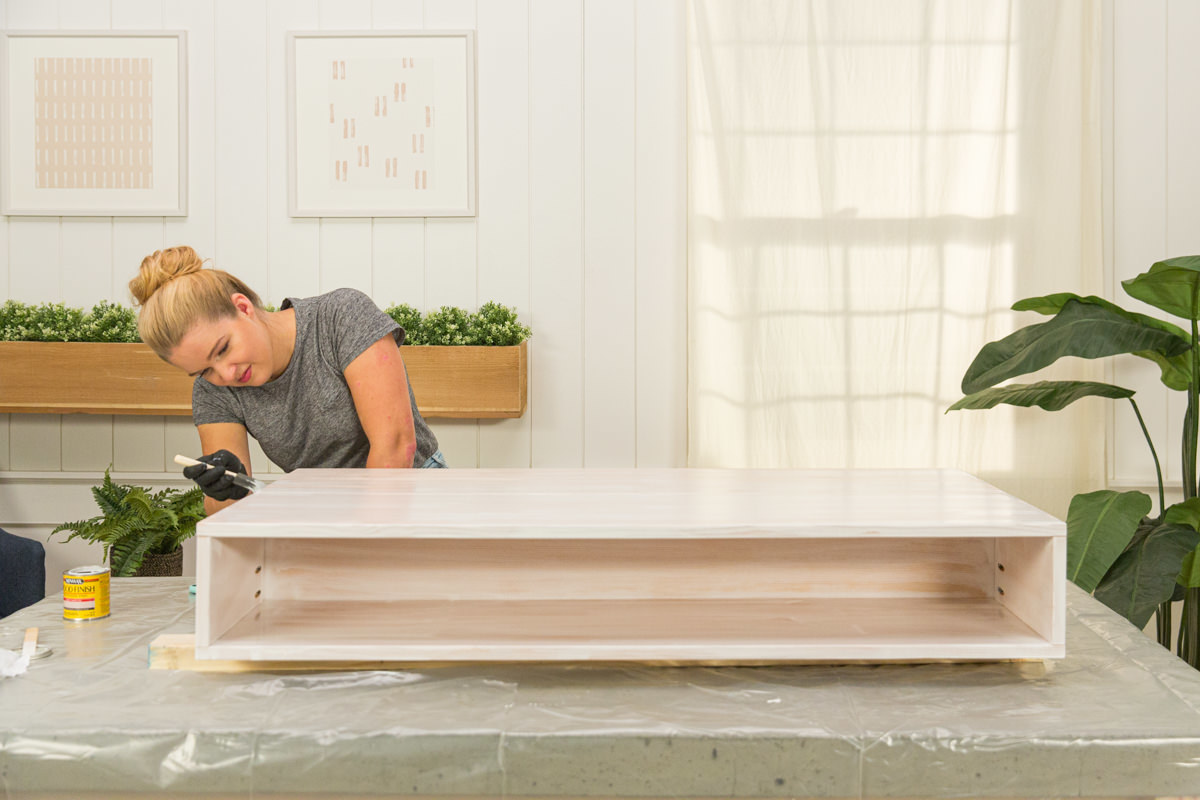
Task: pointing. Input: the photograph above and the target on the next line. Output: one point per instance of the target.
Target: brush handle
(245, 481)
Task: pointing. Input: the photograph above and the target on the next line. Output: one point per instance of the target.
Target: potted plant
(142, 531)
(59, 360)
(1134, 561)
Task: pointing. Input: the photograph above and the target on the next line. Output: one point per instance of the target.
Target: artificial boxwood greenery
(493, 324)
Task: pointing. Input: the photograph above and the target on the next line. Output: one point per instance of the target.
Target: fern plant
(137, 522)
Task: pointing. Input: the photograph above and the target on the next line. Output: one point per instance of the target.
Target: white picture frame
(93, 123)
(408, 94)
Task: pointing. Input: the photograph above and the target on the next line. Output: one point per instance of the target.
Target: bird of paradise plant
(1134, 562)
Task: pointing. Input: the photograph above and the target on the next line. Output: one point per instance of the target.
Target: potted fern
(1135, 561)
(142, 531)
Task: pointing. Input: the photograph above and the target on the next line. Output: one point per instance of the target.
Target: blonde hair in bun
(175, 292)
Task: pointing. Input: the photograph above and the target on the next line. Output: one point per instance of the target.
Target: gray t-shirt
(306, 416)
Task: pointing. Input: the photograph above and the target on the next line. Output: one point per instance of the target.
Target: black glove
(218, 484)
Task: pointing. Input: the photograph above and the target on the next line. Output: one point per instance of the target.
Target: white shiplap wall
(580, 225)
(1152, 169)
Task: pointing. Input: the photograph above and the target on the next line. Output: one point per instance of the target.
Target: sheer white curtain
(872, 183)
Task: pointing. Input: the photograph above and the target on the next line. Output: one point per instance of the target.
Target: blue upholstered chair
(22, 572)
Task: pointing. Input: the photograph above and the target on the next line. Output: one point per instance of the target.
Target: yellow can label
(85, 593)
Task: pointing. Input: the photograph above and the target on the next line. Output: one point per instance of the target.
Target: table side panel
(229, 582)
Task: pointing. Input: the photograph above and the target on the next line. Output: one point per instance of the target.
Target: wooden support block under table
(651, 565)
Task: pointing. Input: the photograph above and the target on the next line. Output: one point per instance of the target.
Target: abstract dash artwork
(94, 124)
(382, 124)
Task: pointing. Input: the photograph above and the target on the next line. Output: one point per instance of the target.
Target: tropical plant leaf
(1144, 576)
(1187, 513)
(1172, 285)
(1080, 329)
(1184, 513)
(1176, 372)
(1099, 526)
(1050, 395)
(1189, 572)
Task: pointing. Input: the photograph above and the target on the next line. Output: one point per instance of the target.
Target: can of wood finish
(85, 593)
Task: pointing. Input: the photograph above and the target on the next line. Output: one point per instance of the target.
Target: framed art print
(94, 123)
(381, 124)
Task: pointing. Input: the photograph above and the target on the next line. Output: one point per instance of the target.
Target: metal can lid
(91, 569)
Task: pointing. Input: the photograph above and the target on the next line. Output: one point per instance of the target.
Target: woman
(319, 383)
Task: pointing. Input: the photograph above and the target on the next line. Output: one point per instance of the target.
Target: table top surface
(630, 503)
(1119, 716)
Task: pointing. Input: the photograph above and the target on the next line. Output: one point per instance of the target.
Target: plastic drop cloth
(1119, 716)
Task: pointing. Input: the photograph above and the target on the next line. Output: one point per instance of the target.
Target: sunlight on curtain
(871, 186)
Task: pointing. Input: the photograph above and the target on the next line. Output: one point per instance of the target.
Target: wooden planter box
(91, 378)
(673, 565)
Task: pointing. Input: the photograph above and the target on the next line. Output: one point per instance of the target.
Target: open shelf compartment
(708, 600)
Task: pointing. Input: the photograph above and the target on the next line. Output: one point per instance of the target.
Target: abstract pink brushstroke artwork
(360, 90)
(93, 123)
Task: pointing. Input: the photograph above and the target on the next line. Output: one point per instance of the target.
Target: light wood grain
(625, 564)
(601, 569)
(90, 378)
(97, 378)
(551, 503)
(630, 630)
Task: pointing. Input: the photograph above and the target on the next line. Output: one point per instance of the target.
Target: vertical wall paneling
(294, 252)
(5, 461)
(35, 443)
(35, 439)
(5, 290)
(34, 259)
(197, 229)
(397, 14)
(502, 46)
(345, 254)
(87, 262)
(344, 15)
(32, 14)
(138, 442)
(1139, 208)
(1182, 174)
(95, 15)
(345, 243)
(240, 140)
(610, 302)
(661, 242)
(1107, 67)
(451, 253)
(398, 261)
(87, 442)
(450, 259)
(1183, 128)
(556, 231)
(134, 237)
(179, 436)
(398, 243)
(135, 14)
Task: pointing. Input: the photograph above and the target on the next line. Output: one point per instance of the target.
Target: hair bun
(162, 267)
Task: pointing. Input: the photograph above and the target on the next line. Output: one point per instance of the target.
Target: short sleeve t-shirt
(306, 417)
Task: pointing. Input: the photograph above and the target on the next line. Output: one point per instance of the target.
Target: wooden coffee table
(647, 565)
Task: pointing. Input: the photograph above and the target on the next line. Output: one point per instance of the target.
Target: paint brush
(239, 479)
